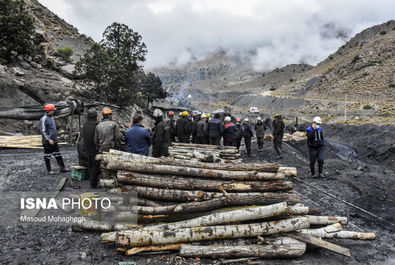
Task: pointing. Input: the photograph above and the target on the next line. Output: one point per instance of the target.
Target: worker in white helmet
(315, 141)
(229, 132)
(247, 134)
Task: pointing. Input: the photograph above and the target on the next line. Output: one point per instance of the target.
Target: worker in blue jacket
(50, 139)
(138, 138)
(315, 141)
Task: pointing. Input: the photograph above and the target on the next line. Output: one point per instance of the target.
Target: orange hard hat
(49, 107)
(107, 111)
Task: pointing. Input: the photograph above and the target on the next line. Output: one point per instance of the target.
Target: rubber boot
(278, 153)
(59, 159)
(320, 167)
(48, 165)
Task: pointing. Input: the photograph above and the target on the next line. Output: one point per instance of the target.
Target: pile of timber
(205, 153)
(296, 136)
(21, 141)
(204, 210)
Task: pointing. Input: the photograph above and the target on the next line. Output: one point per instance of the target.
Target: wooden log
(169, 247)
(205, 146)
(203, 157)
(288, 171)
(93, 225)
(321, 243)
(226, 217)
(188, 171)
(174, 182)
(326, 220)
(339, 234)
(291, 249)
(124, 156)
(151, 237)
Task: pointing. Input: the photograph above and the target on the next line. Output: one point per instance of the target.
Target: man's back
(138, 140)
(107, 135)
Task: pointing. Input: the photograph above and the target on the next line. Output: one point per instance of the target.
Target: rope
(348, 203)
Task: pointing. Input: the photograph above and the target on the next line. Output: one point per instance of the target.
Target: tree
(16, 29)
(113, 64)
(151, 88)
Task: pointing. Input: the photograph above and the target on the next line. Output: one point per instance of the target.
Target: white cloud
(279, 32)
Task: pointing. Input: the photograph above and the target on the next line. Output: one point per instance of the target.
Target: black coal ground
(368, 184)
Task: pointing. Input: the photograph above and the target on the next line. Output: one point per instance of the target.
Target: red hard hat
(238, 119)
(49, 107)
(171, 113)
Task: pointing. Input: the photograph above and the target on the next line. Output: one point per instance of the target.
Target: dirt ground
(359, 168)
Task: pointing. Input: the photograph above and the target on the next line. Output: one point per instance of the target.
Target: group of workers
(200, 129)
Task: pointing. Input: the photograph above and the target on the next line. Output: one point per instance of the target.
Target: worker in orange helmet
(50, 140)
(172, 126)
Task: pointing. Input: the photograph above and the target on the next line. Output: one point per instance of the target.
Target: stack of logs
(205, 153)
(192, 202)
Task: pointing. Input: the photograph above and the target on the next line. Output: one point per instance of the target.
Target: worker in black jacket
(201, 130)
(238, 133)
(183, 128)
(229, 132)
(88, 136)
(278, 133)
(315, 142)
(161, 136)
(260, 129)
(214, 130)
(247, 134)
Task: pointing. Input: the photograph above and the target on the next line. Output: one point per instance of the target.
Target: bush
(65, 53)
(367, 107)
(383, 32)
(391, 84)
(355, 59)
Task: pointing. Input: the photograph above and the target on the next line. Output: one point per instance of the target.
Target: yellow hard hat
(208, 115)
(277, 115)
(107, 111)
(185, 113)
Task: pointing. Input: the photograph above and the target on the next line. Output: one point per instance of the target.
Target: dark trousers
(260, 142)
(215, 140)
(49, 150)
(247, 141)
(201, 139)
(316, 154)
(93, 170)
(238, 143)
(184, 139)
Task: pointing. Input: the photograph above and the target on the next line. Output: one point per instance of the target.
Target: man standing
(138, 138)
(201, 130)
(107, 134)
(88, 136)
(315, 141)
(248, 134)
(238, 133)
(214, 129)
(183, 128)
(260, 129)
(161, 136)
(196, 119)
(172, 126)
(278, 133)
(229, 132)
(50, 139)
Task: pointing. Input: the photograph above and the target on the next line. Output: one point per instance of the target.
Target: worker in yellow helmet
(184, 128)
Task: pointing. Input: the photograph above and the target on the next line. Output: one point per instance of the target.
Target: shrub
(391, 84)
(383, 32)
(355, 59)
(65, 53)
(367, 106)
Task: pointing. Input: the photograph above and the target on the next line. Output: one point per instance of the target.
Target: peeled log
(188, 171)
(204, 157)
(292, 249)
(170, 247)
(174, 182)
(205, 146)
(339, 234)
(129, 157)
(93, 225)
(226, 217)
(151, 237)
(326, 220)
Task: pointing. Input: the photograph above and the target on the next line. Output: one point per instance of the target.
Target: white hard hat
(203, 116)
(227, 118)
(246, 119)
(158, 113)
(317, 120)
(259, 118)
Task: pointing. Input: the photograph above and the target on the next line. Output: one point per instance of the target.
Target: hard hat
(277, 115)
(158, 113)
(204, 116)
(238, 119)
(227, 118)
(246, 119)
(171, 113)
(49, 107)
(259, 119)
(107, 111)
(92, 112)
(317, 120)
(185, 113)
(208, 115)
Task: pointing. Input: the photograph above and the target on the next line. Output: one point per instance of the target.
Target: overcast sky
(273, 33)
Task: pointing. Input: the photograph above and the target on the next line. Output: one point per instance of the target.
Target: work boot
(51, 172)
(60, 162)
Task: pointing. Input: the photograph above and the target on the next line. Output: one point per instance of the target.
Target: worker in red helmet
(172, 126)
(49, 139)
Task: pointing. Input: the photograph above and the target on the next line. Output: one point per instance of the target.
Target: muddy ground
(359, 168)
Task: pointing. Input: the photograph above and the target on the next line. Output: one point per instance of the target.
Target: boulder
(17, 71)
(67, 70)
